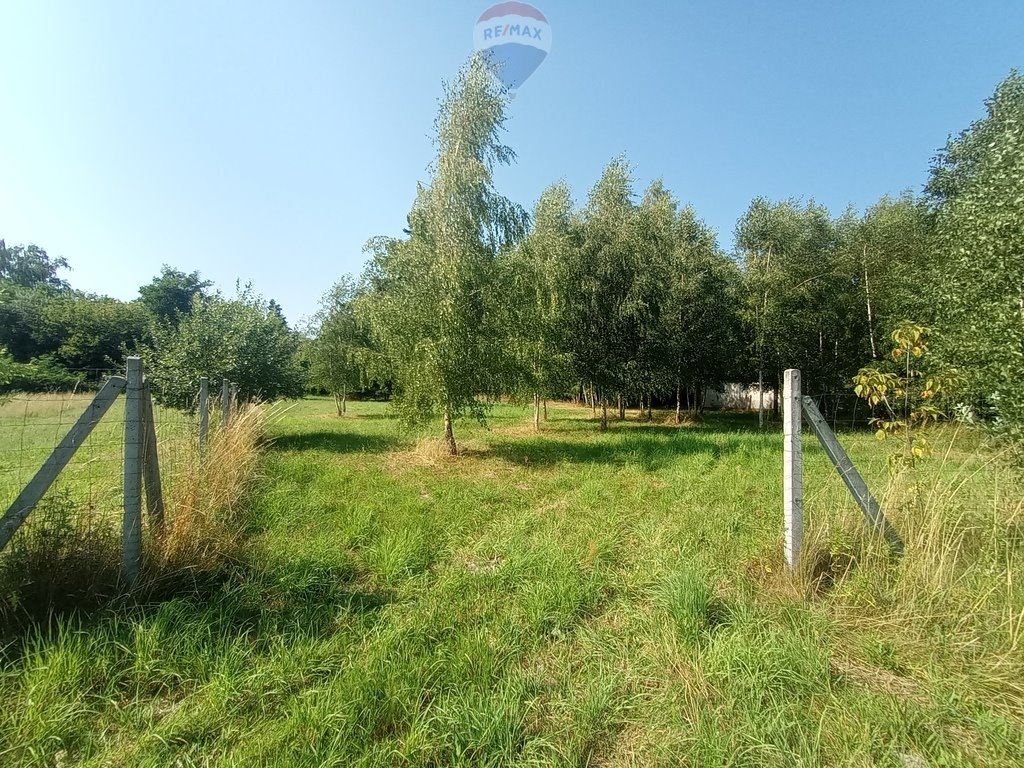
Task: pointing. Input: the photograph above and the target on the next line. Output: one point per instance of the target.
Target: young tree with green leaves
(800, 298)
(597, 283)
(534, 302)
(701, 333)
(886, 253)
(653, 239)
(238, 339)
(336, 350)
(434, 300)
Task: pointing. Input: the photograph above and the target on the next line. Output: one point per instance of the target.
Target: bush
(242, 340)
(41, 374)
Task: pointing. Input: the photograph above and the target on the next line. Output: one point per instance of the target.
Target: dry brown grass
(951, 600)
(203, 527)
(68, 558)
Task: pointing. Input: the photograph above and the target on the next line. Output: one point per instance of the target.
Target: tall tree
(599, 286)
(432, 307)
(800, 297)
(701, 334)
(977, 187)
(534, 302)
(886, 254)
(171, 293)
(653, 239)
(30, 266)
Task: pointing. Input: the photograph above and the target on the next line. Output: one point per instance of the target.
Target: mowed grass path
(562, 598)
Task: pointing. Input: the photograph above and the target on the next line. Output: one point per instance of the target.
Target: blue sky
(268, 141)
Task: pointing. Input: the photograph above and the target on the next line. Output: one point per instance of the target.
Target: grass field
(567, 598)
(31, 425)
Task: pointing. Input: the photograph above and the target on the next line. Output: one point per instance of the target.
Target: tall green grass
(561, 598)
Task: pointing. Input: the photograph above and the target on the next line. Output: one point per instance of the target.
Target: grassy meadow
(561, 598)
(31, 425)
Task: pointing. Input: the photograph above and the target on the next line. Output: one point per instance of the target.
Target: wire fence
(86, 501)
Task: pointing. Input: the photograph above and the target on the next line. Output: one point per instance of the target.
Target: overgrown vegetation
(563, 598)
(586, 593)
(66, 558)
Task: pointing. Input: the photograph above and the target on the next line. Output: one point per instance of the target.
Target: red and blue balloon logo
(514, 39)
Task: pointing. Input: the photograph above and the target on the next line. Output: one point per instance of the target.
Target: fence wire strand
(88, 495)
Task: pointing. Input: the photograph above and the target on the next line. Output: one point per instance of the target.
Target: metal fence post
(225, 403)
(131, 530)
(204, 412)
(151, 462)
(793, 467)
(851, 477)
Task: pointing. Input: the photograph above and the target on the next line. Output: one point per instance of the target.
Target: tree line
(630, 298)
(53, 337)
(624, 299)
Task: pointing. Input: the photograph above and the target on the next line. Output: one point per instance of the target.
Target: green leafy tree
(701, 333)
(336, 351)
(434, 300)
(93, 332)
(800, 297)
(533, 300)
(172, 293)
(238, 339)
(598, 283)
(22, 331)
(977, 187)
(906, 393)
(886, 254)
(29, 265)
(653, 241)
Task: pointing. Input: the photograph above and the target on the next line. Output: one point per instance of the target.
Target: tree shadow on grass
(258, 600)
(335, 442)
(664, 421)
(650, 448)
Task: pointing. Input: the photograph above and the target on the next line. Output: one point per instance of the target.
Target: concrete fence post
(793, 467)
(204, 412)
(131, 529)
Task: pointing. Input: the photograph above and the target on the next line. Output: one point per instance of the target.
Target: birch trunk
(867, 298)
(449, 436)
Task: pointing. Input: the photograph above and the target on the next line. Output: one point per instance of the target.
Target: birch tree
(701, 331)
(434, 301)
(536, 302)
(599, 281)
